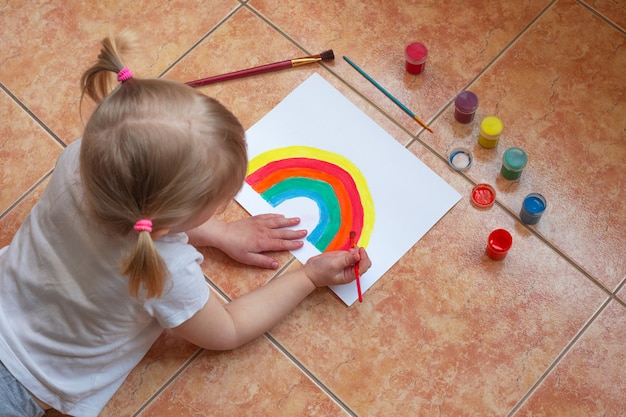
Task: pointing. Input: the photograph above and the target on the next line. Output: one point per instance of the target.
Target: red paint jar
(416, 55)
(498, 244)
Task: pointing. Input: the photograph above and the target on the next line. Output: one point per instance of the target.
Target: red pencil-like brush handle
(358, 282)
(356, 268)
(242, 73)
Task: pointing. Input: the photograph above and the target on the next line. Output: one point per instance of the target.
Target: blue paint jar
(532, 208)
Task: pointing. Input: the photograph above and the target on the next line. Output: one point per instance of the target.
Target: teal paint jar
(513, 162)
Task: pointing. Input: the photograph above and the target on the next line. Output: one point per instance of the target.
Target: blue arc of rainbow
(332, 181)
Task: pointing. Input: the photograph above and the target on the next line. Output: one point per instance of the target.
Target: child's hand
(337, 267)
(245, 240)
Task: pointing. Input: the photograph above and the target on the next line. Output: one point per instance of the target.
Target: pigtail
(144, 266)
(100, 79)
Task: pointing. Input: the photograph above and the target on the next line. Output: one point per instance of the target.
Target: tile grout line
(32, 115)
(301, 366)
(559, 358)
(555, 249)
(310, 375)
(602, 17)
(24, 196)
(167, 383)
(620, 286)
(202, 39)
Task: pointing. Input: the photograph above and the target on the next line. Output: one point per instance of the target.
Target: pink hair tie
(124, 74)
(143, 225)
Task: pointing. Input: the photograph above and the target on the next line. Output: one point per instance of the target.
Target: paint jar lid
(483, 195)
(416, 53)
(491, 126)
(515, 159)
(460, 159)
(466, 102)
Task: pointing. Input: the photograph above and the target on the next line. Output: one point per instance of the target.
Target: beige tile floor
(447, 331)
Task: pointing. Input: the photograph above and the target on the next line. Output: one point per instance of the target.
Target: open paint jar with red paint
(498, 244)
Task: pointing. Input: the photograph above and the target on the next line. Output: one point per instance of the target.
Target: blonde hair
(154, 149)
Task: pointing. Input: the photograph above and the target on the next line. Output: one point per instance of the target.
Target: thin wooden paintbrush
(324, 56)
(388, 94)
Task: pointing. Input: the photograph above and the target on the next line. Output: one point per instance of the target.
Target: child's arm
(221, 327)
(245, 240)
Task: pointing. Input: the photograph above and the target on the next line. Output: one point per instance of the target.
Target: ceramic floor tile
(447, 330)
(46, 78)
(255, 380)
(546, 89)
(374, 35)
(590, 379)
(27, 152)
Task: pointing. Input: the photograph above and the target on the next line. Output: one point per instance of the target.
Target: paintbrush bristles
(327, 55)
(324, 56)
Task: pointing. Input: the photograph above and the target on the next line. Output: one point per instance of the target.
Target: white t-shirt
(69, 330)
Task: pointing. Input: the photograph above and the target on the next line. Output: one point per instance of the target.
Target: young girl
(104, 261)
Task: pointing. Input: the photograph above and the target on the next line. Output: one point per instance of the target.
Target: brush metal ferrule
(306, 60)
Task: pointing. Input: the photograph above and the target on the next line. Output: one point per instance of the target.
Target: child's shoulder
(69, 158)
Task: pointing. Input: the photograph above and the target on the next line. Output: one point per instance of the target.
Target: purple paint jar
(465, 106)
(416, 55)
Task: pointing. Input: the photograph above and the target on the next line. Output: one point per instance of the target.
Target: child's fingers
(364, 261)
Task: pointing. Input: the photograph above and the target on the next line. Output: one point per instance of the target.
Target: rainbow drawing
(332, 181)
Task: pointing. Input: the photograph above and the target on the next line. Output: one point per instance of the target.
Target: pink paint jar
(416, 55)
(498, 244)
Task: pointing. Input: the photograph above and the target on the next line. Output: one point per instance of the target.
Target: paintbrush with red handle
(356, 269)
(324, 56)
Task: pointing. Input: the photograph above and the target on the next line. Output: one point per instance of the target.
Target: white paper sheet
(403, 197)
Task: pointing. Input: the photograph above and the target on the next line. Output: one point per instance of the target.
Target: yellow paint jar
(490, 130)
